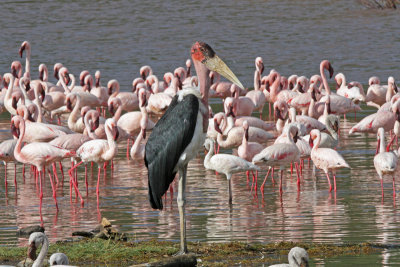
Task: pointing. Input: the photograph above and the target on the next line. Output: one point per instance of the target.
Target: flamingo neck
(112, 147)
(43, 252)
(118, 113)
(18, 146)
(10, 88)
(136, 145)
(324, 80)
(274, 88)
(74, 116)
(382, 145)
(317, 141)
(66, 89)
(230, 123)
(257, 80)
(116, 92)
(28, 63)
(311, 108)
(207, 158)
(45, 74)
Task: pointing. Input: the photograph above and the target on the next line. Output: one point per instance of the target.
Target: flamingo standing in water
(247, 150)
(38, 154)
(7, 155)
(226, 164)
(99, 150)
(281, 155)
(129, 100)
(385, 162)
(326, 159)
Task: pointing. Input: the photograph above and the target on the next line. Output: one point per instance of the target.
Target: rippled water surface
(292, 36)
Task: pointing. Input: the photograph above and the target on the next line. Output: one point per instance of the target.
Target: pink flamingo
(138, 148)
(382, 118)
(349, 91)
(222, 88)
(25, 46)
(302, 101)
(99, 150)
(257, 95)
(376, 93)
(129, 100)
(281, 112)
(275, 92)
(339, 104)
(281, 155)
(37, 153)
(308, 122)
(7, 155)
(247, 150)
(241, 105)
(326, 159)
(385, 162)
(226, 164)
(158, 102)
(99, 91)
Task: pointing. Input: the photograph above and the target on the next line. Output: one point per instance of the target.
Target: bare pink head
(88, 83)
(24, 46)
(82, 76)
(112, 85)
(64, 74)
(145, 71)
(259, 64)
(16, 69)
(281, 109)
(97, 76)
(56, 69)
(135, 83)
(373, 80)
(113, 105)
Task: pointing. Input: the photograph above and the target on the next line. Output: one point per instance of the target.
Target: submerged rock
(30, 229)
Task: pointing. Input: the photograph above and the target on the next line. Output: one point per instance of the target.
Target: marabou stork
(181, 132)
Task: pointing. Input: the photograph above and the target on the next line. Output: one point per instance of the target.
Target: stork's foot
(181, 252)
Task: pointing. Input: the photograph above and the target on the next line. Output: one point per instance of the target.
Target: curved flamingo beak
(32, 251)
(14, 130)
(313, 95)
(311, 141)
(67, 79)
(41, 75)
(230, 111)
(216, 127)
(261, 68)
(14, 103)
(246, 134)
(14, 72)
(116, 133)
(278, 114)
(330, 71)
(110, 90)
(144, 133)
(30, 117)
(69, 104)
(111, 109)
(21, 50)
(395, 88)
(97, 82)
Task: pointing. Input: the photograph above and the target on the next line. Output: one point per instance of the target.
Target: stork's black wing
(169, 138)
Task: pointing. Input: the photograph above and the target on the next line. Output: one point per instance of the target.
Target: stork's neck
(204, 80)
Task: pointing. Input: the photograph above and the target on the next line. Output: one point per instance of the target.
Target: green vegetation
(108, 252)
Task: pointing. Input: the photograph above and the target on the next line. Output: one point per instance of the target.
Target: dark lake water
(119, 37)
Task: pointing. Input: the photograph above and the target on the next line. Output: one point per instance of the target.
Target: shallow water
(291, 36)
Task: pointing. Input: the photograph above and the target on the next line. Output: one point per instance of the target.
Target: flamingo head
(374, 80)
(24, 45)
(216, 126)
(57, 68)
(88, 83)
(135, 83)
(280, 109)
(35, 240)
(69, 102)
(229, 107)
(260, 64)
(31, 111)
(97, 76)
(16, 69)
(64, 74)
(178, 80)
(15, 126)
(202, 52)
(325, 64)
(82, 76)
(142, 97)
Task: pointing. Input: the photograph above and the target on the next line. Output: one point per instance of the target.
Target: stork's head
(203, 53)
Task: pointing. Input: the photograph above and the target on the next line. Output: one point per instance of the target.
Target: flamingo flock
(52, 122)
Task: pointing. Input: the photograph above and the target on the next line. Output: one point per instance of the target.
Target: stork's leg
(181, 206)
(229, 188)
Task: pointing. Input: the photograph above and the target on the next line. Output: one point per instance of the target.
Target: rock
(30, 229)
(187, 260)
(83, 233)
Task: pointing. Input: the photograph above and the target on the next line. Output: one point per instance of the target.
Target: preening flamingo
(298, 257)
(226, 164)
(326, 159)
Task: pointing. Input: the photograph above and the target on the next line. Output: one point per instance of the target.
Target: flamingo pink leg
(98, 182)
(334, 182)
(15, 175)
(394, 188)
(40, 185)
(54, 190)
(329, 181)
(280, 184)
(62, 171)
(382, 188)
(127, 149)
(55, 172)
(247, 176)
(86, 180)
(75, 185)
(298, 175)
(5, 177)
(265, 179)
